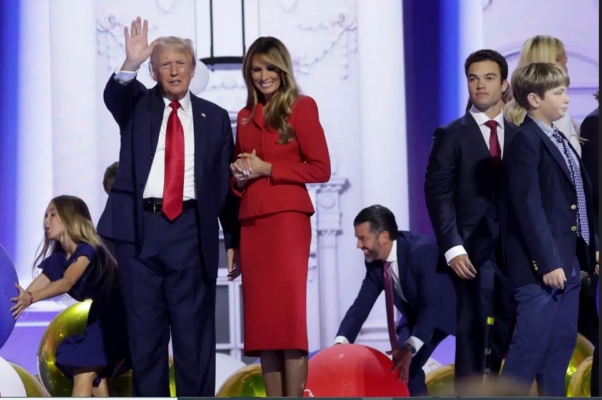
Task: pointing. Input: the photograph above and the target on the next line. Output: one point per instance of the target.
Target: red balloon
(353, 370)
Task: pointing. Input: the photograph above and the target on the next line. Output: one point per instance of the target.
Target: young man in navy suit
(171, 187)
(404, 266)
(461, 193)
(548, 231)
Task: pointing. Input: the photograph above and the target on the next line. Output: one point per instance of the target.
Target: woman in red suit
(280, 146)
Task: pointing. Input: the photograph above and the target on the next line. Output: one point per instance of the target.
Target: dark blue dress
(105, 340)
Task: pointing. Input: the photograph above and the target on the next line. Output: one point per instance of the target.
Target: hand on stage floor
(233, 264)
(23, 301)
(463, 267)
(555, 278)
(401, 361)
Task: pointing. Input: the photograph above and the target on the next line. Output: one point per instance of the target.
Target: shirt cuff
(341, 340)
(453, 253)
(125, 77)
(415, 342)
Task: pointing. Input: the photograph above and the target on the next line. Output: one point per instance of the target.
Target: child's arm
(40, 282)
(53, 289)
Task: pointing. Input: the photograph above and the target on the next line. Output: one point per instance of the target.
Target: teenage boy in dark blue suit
(548, 231)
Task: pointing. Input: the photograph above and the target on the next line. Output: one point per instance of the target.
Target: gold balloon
(122, 385)
(71, 321)
(246, 382)
(33, 387)
(581, 380)
(440, 381)
(583, 349)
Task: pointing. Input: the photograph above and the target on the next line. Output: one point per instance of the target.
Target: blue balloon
(8, 278)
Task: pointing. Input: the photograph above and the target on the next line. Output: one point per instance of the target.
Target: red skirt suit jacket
(303, 160)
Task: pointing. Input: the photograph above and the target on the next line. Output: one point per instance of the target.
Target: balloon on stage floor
(353, 370)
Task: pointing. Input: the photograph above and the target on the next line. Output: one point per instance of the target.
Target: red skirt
(274, 252)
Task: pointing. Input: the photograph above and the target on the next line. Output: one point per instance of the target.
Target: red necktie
(173, 188)
(494, 145)
(389, 304)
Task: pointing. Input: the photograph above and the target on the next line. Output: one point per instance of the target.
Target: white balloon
(431, 365)
(225, 366)
(200, 80)
(10, 383)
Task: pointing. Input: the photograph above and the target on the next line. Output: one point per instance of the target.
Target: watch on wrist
(411, 349)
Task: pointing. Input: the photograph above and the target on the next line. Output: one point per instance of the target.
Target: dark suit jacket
(431, 301)
(460, 189)
(590, 130)
(538, 208)
(139, 112)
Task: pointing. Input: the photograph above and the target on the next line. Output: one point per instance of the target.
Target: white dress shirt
(481, 119)
(392, 258)
(156, 176)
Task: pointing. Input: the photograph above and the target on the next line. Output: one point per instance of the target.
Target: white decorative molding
(165, 5)
(342, 30)
(111, 43)
(288, 5)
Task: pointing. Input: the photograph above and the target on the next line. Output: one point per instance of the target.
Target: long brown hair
(280, 107)
(75, 217)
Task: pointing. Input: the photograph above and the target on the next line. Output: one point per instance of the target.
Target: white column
(34, 186)
(73, 49)
(328, 212)
(471, 40)
(382, 106)
(383, 125)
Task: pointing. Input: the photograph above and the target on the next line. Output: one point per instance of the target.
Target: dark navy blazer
(139, 112)
(538, 208)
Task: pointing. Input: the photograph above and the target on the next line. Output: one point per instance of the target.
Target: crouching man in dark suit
(404, 266)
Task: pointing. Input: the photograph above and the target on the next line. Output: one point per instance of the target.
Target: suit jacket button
(535, 268)
(574, 228)
(573, 207)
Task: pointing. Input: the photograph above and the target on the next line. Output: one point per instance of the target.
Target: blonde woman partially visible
(543, 48)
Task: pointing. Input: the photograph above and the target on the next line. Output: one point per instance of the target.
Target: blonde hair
(174, 42)
(280, 107)
(538, 49)
(75, 217)
(537, 78)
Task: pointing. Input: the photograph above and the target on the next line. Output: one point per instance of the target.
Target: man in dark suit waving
(461, 193)
(404, 266)
(162, 213)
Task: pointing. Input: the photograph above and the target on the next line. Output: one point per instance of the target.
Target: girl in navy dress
(74, 261)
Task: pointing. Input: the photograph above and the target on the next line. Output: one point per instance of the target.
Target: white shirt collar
(481, 118)
(185, 103)
(393, 254)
